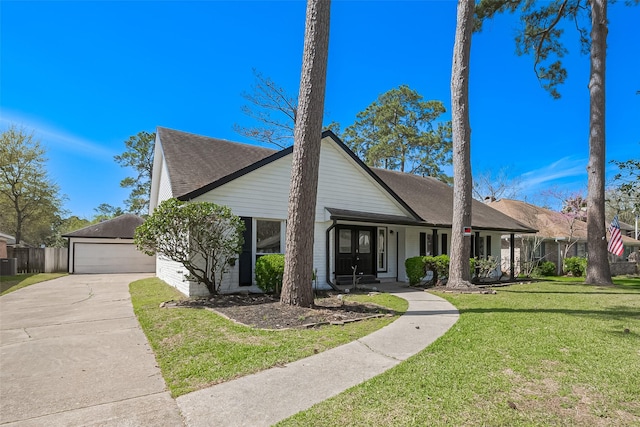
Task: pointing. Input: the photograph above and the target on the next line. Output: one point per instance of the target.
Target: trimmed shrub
(415, 267)
(439, 265)
(269, 272)
(575, 265)
(547, 268)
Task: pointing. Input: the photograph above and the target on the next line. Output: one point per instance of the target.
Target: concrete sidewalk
(301, 384)
(72, 354)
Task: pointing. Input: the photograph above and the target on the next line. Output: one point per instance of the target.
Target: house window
(444, 246)
(382, 249)
(268, 237)
(480, 247)
(364, 241)
(344, 241)
(581, 249)
(538, 251)
(426, 244)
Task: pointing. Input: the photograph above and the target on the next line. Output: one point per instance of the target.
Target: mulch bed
(265, 311)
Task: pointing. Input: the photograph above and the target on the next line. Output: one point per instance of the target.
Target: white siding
(343, 184)
(263, 193)
(164, 192)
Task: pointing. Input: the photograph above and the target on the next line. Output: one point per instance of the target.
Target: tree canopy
(204, 237)
(623, 196)
(399, 131)
(139, 156)
(30, 201)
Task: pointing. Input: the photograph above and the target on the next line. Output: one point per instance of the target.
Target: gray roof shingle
(195, 161)
(433, 201)
(121, 227)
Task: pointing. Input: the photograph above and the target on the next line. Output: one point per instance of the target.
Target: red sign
(466, 231)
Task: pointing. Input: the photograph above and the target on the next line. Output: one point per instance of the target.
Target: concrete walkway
(72, 354)
(269, 396)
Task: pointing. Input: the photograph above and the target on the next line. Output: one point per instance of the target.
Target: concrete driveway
(72, 353)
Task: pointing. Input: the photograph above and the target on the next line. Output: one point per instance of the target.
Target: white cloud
(559, 171)
(55, 138)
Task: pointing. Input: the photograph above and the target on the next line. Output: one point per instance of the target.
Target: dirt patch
(266, 312)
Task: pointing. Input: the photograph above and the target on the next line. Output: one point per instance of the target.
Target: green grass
(556, 350)
(197, 348)
(13, 283)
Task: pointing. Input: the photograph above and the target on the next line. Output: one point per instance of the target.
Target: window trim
(384, 252)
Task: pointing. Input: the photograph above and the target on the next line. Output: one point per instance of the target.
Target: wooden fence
(39, 260)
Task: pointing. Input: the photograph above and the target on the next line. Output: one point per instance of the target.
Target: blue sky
(84, 76)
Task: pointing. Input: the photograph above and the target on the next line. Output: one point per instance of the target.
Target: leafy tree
(627, 187)
(30, 201)
(398, 132)
(298, 268)
(105, 211)
(267, 101)
(204, 237)
(459, 274)
(64, 226)
(139, 156)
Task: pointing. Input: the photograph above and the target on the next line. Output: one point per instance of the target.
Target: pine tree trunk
(297, 281)
(459, 274)
(598, 270)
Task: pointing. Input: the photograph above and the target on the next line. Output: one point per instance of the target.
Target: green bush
(415, 267)
(547, 268)
(439, 265)
(269, 272)
(472, 266)
(576, 266)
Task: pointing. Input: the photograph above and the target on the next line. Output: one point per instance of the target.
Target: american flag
(615, 243)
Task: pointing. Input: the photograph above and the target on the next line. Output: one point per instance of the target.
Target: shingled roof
(121, 227)
(433, 201)
(548, 223)
(551, 224)
(197, 163)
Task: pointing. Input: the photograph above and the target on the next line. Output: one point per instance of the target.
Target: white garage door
(111, 258)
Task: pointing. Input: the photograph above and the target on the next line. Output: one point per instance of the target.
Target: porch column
(512, 254)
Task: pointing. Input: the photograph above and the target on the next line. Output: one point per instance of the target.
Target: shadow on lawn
(616, 313)
(567, 292)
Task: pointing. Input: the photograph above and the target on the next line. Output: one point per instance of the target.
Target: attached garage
(108, 247)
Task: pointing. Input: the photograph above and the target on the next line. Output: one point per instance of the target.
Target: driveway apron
(72, 353)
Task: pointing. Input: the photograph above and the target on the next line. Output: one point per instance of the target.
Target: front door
(355, 247)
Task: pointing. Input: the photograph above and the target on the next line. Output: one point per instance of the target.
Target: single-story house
(8, 238)
(107, 247)
(366, 218)
(559, 236)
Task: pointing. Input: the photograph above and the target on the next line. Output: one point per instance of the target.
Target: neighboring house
(3, 247)
(559, 236)
(9, 239)
(107, 247)
(368, 219)
(628, 230)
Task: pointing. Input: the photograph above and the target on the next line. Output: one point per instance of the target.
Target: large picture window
(268, 237)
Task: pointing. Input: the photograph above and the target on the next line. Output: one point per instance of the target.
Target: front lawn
(196, 348)
(552, 353)
(13, 283)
